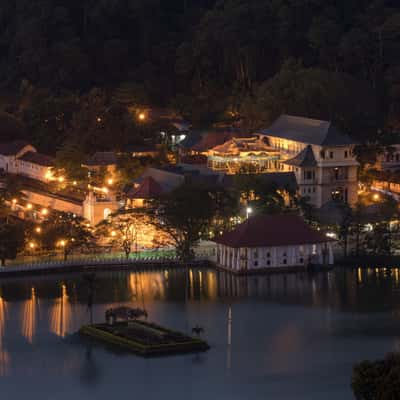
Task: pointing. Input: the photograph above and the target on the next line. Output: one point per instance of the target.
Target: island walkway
(98, 263)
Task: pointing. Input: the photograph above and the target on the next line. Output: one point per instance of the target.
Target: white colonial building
(272, 242)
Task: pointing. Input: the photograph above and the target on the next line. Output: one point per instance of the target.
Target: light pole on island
(249, 210)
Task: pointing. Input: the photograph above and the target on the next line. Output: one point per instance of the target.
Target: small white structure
(274, 241)
(21, 158)
(10, 152)
(36, 166)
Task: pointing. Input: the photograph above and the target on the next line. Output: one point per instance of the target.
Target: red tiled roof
(148, 189)
(12, 148)
(272, 230)
(37, 158)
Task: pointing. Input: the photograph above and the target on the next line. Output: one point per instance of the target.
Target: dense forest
(70, 69)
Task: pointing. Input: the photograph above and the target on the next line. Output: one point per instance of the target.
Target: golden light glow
(45, 211)
(4, 356)
(32, 245)
(376, 197)
(142, 116)
(61, 179)
(110, 181)
(14, 201)
(105, 190)
(29, 206)
(60, 314)
(38, 229)
(62, 243)
(29, 317)
(74, 183)
(113, 233)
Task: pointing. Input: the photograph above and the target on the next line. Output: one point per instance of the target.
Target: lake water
(292, 336)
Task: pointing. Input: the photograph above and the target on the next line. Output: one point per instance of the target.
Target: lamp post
(249, 210)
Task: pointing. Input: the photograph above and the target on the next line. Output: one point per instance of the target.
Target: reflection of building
(273, 241)
(252, 154)
(320, 156)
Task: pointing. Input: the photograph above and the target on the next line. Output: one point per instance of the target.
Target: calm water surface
(291, 336)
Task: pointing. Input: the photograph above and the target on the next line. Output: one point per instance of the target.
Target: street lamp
(38, 229)
(142, 116)
(249, 210)
(45, 211)
(29, 206)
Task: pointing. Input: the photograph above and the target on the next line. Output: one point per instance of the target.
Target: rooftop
(272, 230)
(38, 158)
(305, 158)
(248, 144)
(148, 189)
(307, 130)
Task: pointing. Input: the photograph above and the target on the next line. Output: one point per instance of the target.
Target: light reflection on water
(264, 330)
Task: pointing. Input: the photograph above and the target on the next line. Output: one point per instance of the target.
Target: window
(309, 190)
(256, 263)
(346, 154)
(331, 154)
(268, 254)
(301, 260)
(313, 189)
(322, 154)
(285, 261)
(268, 262)
(397, 157)
(255, 254)
(308, 175)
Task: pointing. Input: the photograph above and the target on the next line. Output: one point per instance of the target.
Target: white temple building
(272, 242)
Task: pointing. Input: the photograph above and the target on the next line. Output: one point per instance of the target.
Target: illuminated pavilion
(250, 154)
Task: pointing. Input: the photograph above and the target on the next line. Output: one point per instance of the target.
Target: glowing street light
(142, 116)
(45, 211)
(61, 179)
(29, 206)
(14, 201)
(38, 229)
(62, 243)
(32, 245)
(74, 183)
(376, 197)
(249, 210)
(113, 233)
(110, 181)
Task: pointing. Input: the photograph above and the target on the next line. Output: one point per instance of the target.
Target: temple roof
(305, 158)
(307, 130)
(272, 230)
(237, 145)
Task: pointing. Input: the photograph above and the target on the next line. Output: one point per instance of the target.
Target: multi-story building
(320, 156)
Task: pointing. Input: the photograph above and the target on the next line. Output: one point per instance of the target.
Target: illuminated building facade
(251, 154)
(319, 155)
(272, 242)
(19, 157)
